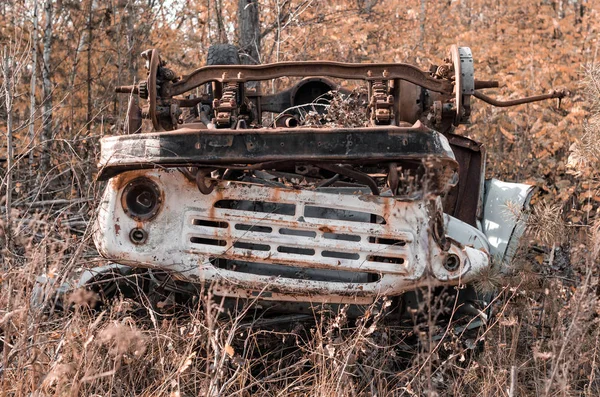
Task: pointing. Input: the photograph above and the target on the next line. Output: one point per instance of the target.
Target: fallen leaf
(229, 350)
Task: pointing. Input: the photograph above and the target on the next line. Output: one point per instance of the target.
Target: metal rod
(126, 89)
(520, 101)
(351, 173)
(481, 84)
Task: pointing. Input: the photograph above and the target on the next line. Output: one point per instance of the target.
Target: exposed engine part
(381, 103)
(143, 89)
(226, 107)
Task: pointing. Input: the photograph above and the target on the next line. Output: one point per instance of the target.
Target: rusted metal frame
(393, 178)
(109, 171)
(250, 291)
(396, 110)
(464, 81)
(463, 201)
(240, 284)
(195, 147)
(244, 73)
(305, 288)
(520, 101)
(134, 117)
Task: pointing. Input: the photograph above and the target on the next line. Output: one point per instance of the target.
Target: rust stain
(191, 184)
(325, 229)
(120, 181)
(217, 196)
(276, 195)
(117, 229)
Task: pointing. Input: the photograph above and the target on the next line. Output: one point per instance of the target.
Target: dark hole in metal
(202, 222)
(341, 215)
(385, 259)
(296, 273)
(296, 250)
(294, 232)
(138, 236)
(254, 228)
(340, 255)
(252, 246)
(257, 206)
(388, 241)
(208, 241)
(344, 237)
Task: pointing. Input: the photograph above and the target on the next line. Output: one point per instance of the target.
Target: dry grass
(584, 154)
(542, 340)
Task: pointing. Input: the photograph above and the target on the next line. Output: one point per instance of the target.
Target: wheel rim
(464, 83)
(153, 71)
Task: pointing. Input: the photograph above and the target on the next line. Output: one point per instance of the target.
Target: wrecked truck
(233, 188)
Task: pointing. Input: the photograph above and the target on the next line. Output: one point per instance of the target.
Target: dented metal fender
(505, 213)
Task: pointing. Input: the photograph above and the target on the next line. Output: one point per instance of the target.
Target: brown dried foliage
(544, 338)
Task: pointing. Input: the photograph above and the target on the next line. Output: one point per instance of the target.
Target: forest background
(61, 60)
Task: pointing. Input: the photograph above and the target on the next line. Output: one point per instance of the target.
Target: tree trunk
(7, 74)
(117, 77)
(208, 22)
(222, 39)
(249, 31)
(579, 10)
(47, 90)
(561, 9)
(132, 48)
(88, 119)
(422, 24)
(75, 64)
(249, 35)
(466, 14)
(34, 39)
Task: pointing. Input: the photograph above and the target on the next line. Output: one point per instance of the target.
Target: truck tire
(222, 54)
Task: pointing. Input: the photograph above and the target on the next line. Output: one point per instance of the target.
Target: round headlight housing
(141, 199)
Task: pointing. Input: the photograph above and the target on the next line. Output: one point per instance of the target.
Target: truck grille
(299, 234)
